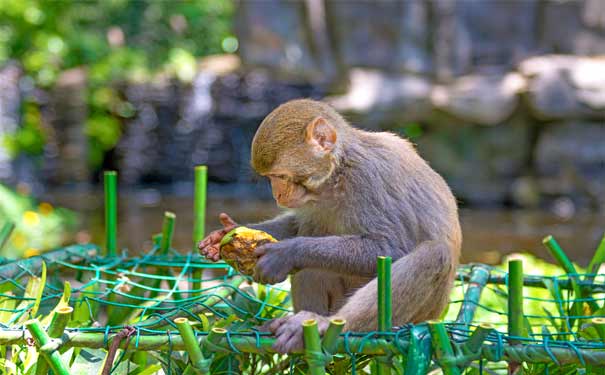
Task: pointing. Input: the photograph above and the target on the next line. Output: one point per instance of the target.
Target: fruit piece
(237, 248)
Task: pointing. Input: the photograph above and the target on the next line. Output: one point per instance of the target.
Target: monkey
(349, 196)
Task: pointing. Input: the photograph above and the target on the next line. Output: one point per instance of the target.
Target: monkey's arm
(281, 227)
(352, 254)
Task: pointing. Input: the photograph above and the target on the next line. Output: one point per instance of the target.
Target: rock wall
(505, 98)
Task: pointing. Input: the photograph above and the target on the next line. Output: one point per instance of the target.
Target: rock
(480, 99)
(399, 42)
(573, 27)
(565, 87)
(481, 164)
(570, 160)
(385, 97)
(277, 35)
(481, 35)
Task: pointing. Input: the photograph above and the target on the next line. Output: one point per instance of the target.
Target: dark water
(488, 234)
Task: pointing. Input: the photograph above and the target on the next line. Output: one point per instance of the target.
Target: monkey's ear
(321, 134)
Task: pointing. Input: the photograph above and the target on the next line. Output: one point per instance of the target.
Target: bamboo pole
(196, 284)
(215, 335)
(199, 204)
(515, 299)
(248, 343)
(313, 347)
(330, 338)
(442, 347)
(479, 335)
(599, 324)
(385, 310)
(55, 330)
(419, 352)
(52, 357)
(111, 212)
(191, 345)
(167, 232)
(477, 281)
(5, 232)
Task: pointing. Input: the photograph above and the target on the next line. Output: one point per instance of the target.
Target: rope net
(174, 313)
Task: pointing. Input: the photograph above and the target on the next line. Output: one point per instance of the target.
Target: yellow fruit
(237, 248)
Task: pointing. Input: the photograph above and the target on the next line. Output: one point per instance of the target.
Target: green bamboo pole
(192, 346)
(479, 335)
(167, 232)
(530, 353)
(330, 338)
(599, 324)
(477, 281)
(537, 282)
(5, 233)
(199, 204)
(196, 284)
(442, 347)
(41, 338)
(385, 310)
(515, 299)
(111, 212)
(557, 252)
(215, 336)
(419, 352)
(313, 347)
(595, 262)
(55, 329)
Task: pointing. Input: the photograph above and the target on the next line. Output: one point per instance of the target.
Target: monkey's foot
(288, 330)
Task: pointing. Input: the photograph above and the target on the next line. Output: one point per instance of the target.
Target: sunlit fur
(375, 196)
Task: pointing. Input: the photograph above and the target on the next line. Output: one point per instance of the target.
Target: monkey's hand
(276, 261)
(289, 332)
(210, 246)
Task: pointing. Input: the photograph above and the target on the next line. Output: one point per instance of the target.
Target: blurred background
(506, 99)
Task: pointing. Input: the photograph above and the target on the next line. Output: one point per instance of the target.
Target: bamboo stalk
(167, 232)
(442, 347)
(191, 344)
(530, 353)
(479, 335)
(515, 299)
(477, 281)
(599, 324)
(55, 329)
(199, 203)
(41, 337)
(329, 340)
(196, 284)
(557, 252)
(5, 233)
(312, 347)
(385, 310)
(215, 335)
(111, 212)
(419, 352)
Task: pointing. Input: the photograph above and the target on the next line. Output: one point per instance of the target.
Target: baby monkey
(350, 196)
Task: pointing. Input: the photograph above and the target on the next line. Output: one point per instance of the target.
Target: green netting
(140, 298)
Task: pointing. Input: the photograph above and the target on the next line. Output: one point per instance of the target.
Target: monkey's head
(296, 147)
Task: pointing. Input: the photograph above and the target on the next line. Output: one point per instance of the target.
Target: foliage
(38, 226)
(115, 41)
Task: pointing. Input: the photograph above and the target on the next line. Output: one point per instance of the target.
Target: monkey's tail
(421, 282)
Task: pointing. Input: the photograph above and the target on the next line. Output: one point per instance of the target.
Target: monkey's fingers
(227, 222)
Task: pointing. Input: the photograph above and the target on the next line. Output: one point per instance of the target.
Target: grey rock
(570, 160)
(385, 96)
(565, 87)
(480, 99)
(480, 163)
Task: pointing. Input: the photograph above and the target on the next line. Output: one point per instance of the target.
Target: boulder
(480, 99)
(570, 161)
(565, 87)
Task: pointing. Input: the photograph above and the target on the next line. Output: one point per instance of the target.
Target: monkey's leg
(421, 282)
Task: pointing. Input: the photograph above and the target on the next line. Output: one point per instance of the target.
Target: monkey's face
(288, 192)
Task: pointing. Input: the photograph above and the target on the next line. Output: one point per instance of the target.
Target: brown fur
(377, 197)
